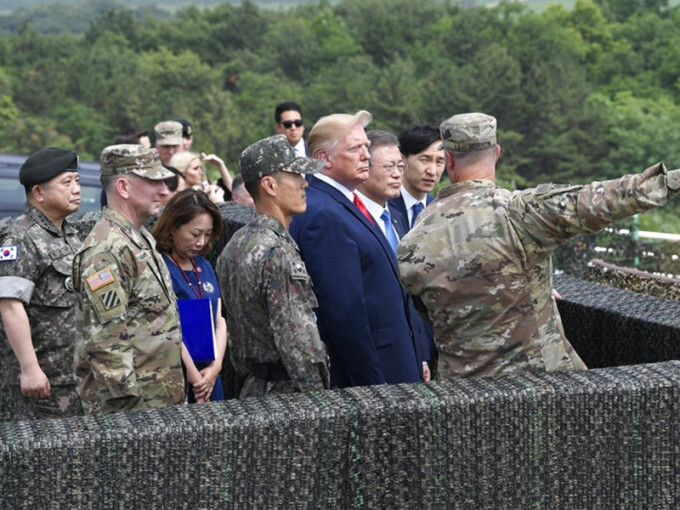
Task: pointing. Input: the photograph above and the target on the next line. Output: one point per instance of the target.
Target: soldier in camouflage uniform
(274, 341)
(36, 295)
(128, 335)
(479, 256)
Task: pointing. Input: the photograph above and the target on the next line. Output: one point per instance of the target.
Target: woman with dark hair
(186, 229)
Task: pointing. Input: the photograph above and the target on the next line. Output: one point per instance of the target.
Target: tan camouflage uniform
(479, 259)
(269, 300)
(128, 345)
(40, 278)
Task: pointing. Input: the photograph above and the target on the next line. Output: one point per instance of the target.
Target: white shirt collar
(300, 148)
(410, 201)
(340, 187)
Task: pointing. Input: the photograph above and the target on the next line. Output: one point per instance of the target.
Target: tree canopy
(580, 94)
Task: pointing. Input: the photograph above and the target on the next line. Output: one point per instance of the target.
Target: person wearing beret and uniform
(37, 302)
(479, 256)
(187, 133)
(274, 341)
(128, 342)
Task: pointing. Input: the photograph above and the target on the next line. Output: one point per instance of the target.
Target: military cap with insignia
(46, 164)
(187, 127)
(467, 132)
(274, 154)
(133, 159)
(168, 132)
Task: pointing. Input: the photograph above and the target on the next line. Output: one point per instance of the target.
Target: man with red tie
(364, 315)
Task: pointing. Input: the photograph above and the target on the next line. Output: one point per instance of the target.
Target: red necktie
(360, 205)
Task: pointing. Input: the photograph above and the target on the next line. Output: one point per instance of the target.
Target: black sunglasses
(289, 123)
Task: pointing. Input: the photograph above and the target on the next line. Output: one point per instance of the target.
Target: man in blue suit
(425, 163)
(384, 183)
(364, 313)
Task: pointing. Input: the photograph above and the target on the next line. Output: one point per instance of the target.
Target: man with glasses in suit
(288, 118)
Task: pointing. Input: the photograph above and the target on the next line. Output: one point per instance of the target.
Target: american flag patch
(100, 279)
(8, 253)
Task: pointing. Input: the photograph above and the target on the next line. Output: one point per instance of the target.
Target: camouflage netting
(600, 439)
(633, 279)
(610, 327)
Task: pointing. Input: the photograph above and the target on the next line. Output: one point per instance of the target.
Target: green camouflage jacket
(128, 345)
(479, 259)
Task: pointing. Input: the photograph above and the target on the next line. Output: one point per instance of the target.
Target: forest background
(584, 90)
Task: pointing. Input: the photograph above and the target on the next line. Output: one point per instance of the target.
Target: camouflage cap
(168, 133)
(467, 132)
(133, 159)
(274, 154)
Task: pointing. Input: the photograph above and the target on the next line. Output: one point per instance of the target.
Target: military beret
(467, 132)
(46, 164)
(187, 128)
(274, 154)
(168, 133)
(133, 159)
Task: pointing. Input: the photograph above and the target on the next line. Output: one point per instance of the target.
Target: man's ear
(325, 156)
(123, 186)
(450, 165)
(268, 185)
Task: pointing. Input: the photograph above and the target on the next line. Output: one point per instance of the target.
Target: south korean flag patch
(8, 253)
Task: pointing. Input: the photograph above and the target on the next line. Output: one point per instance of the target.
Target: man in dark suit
(425, 163)
(364, 313)
(384, 183)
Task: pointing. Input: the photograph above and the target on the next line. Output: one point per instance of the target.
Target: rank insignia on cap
(8, 253)
(100, 279)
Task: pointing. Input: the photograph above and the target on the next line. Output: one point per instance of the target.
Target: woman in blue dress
(186, 228)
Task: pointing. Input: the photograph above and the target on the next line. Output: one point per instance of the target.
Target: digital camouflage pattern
(128, 345)
(274, 154)
(479, 258)
(269, 303)
(40, 277)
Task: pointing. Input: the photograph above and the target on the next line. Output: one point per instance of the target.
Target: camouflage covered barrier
(610, 327)
(602, 439)
(599, 439)
(633, 279)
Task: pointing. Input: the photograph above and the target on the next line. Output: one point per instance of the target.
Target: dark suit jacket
(399, 205)
(363, 313)
(422, 330)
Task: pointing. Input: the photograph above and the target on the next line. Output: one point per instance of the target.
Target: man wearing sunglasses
(288, 117)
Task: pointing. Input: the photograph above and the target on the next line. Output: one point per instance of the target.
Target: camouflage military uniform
(479, 259)
(128, 344)
(269, 301)
(39, 276)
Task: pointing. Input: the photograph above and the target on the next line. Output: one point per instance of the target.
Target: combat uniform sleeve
(104, 287)
(290, 302)
(550, 213)
(18, 268)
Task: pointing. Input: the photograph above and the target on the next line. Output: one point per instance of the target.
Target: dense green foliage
(580, 94)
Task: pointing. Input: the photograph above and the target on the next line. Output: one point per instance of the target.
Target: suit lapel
(352, 209)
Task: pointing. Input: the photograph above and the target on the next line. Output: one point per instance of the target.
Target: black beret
(46, 164)
(187, 128)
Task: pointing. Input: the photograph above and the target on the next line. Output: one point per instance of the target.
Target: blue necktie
(417, 209)
(389, 230)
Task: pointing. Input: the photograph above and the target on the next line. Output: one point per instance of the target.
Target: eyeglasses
(389, 167)
(289, 123)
